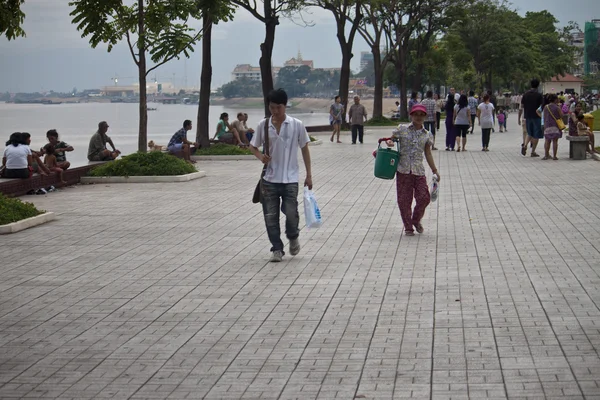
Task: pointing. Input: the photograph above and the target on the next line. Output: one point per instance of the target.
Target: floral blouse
(412, 144)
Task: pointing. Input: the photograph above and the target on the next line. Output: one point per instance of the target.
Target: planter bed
(240, 157)
(26, 223)
(142, 179)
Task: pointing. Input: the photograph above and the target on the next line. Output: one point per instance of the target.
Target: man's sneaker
(294, 246)
(277, 256)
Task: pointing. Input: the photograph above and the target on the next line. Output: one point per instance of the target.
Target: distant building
(591, 38)
(366, 58)
(250, 72)
(577, 41)
(245, 71)
(298, 62)
(563, 83)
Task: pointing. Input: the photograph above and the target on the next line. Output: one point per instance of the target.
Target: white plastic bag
(312, 214)
(435, 187)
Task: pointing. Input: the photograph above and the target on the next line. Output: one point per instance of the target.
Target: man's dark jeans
(430, 126)
(284, 196)
(357, 130)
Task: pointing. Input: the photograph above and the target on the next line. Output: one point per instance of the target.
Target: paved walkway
(164, 290)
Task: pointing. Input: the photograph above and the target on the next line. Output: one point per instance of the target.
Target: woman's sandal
(545, 158)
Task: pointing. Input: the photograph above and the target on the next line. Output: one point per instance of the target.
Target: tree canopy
(11, 18)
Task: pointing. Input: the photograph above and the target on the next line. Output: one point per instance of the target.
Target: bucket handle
(392, 139)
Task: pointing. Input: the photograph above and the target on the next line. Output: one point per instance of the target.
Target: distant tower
(299, 54)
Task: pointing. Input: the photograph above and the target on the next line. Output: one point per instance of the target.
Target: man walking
(357, 116)
(279, 186)
(473, 103)
(531, 101)
(430, 122)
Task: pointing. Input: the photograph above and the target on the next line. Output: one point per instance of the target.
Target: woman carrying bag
(553, 126)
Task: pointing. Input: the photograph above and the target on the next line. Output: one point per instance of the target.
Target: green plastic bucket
(386, 162)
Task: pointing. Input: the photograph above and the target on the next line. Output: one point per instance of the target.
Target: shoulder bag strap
(550, 112)
(266, 141)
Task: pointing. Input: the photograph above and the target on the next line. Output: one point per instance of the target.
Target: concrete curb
(224, 158)
(26, 223)
(317, 142)
(142, 179)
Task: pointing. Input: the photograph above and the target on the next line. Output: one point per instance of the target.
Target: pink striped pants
(411, 186)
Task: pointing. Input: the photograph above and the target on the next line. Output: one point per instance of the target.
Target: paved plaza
(156, 291)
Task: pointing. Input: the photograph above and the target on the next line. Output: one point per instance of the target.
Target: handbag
(257, 196)
(559, 122)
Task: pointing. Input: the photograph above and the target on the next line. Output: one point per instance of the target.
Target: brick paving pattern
(163, 291)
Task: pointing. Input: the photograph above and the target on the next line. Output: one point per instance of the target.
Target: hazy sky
(54, 56)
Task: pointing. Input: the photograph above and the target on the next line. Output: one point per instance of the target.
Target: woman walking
(552, 113)
(414, 142)
(335, 116)
(485, 115)
(462, 121)
(439, 103)
(450, 132)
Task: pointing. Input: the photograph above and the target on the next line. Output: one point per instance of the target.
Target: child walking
(502, 116)
(415, 142)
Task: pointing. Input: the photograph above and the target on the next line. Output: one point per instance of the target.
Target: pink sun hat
(418, 107)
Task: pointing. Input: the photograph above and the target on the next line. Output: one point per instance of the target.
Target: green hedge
(222, 149)
(154, 163)
(13, 210)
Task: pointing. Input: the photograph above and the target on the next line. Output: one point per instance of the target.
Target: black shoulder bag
(257, 196)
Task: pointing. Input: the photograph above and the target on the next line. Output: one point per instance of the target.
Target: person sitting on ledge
(17, 161)
(97, 150)
(60, 148)
(249, 131)
(238, 125)
(225, 133)
(180, 144)
(52, 163)
(38, 165)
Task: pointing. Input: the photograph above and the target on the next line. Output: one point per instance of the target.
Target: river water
(77, 122)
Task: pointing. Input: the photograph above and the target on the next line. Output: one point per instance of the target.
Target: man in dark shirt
(532, 100)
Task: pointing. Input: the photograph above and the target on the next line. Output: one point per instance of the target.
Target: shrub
(223, 149)
(154, 163)
(313, 139)
(13, 210)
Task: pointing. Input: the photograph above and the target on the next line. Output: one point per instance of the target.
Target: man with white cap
(415, 141)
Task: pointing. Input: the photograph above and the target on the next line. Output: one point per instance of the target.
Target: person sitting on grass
(180, 144)
(60, 148)
(52, 164)
(584, 130)
(225, 133)
(97, 150)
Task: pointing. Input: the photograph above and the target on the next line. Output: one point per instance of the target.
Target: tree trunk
(266, 51)
(345, 76)
(143, 127)
(378, 75)
(202, 121)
